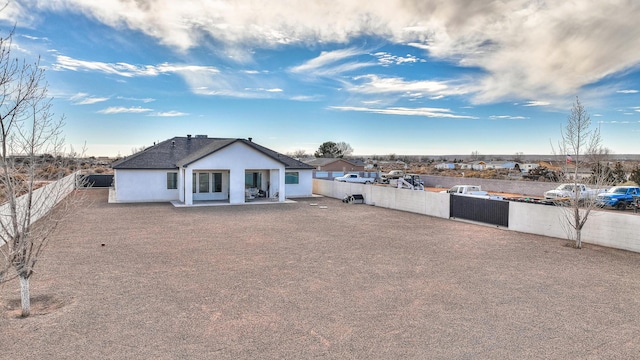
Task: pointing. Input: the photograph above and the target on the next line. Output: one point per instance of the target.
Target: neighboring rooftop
(325, 161)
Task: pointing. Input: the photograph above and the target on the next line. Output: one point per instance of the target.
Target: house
(335, 164)
(443, 166)
(507, 165)
(476, 165)
(525, 168)
(200, 168)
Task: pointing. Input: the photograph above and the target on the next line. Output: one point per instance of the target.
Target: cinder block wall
(612, 229)
(530, 188)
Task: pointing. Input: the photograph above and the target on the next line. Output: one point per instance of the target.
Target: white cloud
(332, 63)
(124, 110)
(630, 91)
(373, 84)
(426, 112)
(537, 103)
(386, 59)
(525, 49)
(91, 100)
(86, 99)
(127, 70)
(144, 100)
(171, 113)
(506, 117)
(306, 97)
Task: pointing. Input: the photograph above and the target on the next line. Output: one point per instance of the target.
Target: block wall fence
(607, 228)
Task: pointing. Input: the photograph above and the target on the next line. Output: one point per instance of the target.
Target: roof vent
(201, 136)
(188, 136)
(173, 143)
(250, 139)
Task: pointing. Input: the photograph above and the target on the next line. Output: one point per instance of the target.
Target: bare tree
(298, 154)
(518, 157)
(344, 149)
(580, 145)
(28, 131)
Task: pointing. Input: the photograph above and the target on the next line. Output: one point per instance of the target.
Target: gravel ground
(295, 281)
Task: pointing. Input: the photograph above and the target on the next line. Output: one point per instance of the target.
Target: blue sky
(403, 77)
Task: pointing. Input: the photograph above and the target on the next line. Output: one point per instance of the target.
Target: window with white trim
(172, 180)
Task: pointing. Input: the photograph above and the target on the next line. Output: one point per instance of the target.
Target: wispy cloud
(125, 69)
(373, 84)
(86, 99)
(426, 112)
(144, 100)
(273, 90)
(629, 91)
(537, 103)
(171, 113)
(386, 59)
(124, 110)
(203, 80)
(506, 117)
(332, 63)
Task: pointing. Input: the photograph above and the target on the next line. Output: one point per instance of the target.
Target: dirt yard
(298, 281)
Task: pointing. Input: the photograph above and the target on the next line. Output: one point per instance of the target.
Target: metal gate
(494, 212)
(97, 180)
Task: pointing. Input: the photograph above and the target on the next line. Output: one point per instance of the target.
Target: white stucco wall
(303, 187)
(233, 161)
(143, 186)
(614, 229)
(421, 202)
(238, 158)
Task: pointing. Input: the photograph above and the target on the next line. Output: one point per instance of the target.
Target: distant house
(335, 164)
(525, 168)
(189, 169)
(509, 165)
(442, 166)
(476, 165)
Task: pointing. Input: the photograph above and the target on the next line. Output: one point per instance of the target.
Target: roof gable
(182, 151)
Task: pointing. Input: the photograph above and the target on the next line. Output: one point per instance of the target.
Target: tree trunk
(25, 296)
(578, 238)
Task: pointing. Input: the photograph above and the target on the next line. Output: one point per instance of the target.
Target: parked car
(391, 175)
(567, 191)
(471, 190)
(618, 197)
(354, 178)
(466, 190)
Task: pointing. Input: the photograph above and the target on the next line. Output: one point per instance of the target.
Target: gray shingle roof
(182, 151)
(325, 161)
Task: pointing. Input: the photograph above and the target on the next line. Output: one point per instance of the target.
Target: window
(172, 180)
(292, 177)
(217, 182)
(203, 182)
(252, 180)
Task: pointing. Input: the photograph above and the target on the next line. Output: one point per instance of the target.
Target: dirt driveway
(295, 281)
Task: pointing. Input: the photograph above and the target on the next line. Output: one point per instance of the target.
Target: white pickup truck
(471, 190)
(466, 190)
(567, 191)
(354, 178)
(391, 175)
